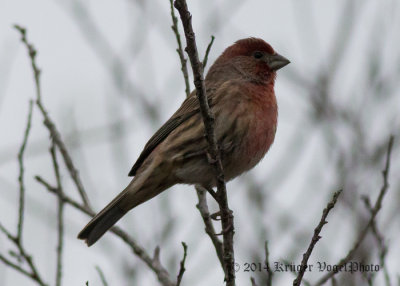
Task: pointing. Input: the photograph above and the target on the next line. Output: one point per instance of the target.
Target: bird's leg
(229, 227)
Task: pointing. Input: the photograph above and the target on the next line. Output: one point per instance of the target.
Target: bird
(240, 92)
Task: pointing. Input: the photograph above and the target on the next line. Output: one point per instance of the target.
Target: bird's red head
(252, 57)
(246, 47)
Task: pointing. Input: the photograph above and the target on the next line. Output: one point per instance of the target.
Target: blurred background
(111, 76)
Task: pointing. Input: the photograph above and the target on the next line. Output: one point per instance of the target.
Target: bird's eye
(258, 55)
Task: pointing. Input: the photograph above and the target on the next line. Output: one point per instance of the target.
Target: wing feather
(188, 108)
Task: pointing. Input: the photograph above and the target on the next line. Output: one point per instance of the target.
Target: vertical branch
(22, 255)
(201, 192)
(209, 228)
(60, 216)
(21, 173)
(270, 273)
(205, 59)
(215, 159)
(48, 122)
(179, 50)
(182, 268)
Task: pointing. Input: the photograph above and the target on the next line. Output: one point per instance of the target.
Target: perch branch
(208, 118)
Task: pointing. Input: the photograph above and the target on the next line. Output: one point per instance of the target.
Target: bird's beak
(276, 61)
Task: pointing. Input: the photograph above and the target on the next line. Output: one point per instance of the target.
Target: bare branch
(209, 227)
(102, 277)
(17, 267)
(182, 268)
(60, 216)
(374, 212)
(315, 238)
(208, 118)
(21, 173)
(158, 269)
(380, 241)
(55, 135)
(22, 255)
(204, 62)
(253, 281)
(179, 50)
(269, 271)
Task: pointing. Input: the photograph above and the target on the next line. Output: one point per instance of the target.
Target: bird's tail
(135, 194)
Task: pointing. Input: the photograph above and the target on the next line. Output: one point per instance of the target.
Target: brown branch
(179, 50)
(374, 212)
(209, 227)
(21, 173)
(215, 160)
(315, 238)
(182, 268)
(55, 135)
(201, 192)
(153, 263)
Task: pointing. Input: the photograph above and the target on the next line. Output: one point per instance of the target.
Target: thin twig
(17, 239)
(315, 238)
(182, 268)
(215, 161)
(380, 241)
(253, 281)
(374, 212)
(209, 227)
(153, 264)
(55, 135)
(179, 50)
(269, 270)
(102, 277)
(17, 267)
(21, 173)
(205, 59)
(23, 256)
(60, 216)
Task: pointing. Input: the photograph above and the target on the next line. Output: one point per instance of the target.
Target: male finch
(240, 92)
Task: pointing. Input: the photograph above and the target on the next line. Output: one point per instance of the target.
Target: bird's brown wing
(188, 108)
